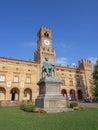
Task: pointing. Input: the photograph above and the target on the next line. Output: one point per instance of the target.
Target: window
(46, 34)
(2, 78)
(78, 84)
(71, 83)
(16, 79)
(63, 82)
(28, 79)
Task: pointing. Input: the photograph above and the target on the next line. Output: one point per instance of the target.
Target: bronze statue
(48, 68)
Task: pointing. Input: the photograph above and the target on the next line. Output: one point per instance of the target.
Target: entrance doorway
(28, 94)
(72, 94)
(64, 93)
(79, 95)
(2, 93)
(14, 94)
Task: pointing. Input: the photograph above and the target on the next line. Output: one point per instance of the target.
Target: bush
(76, 108)
(28, 107)
(22, 106)
(73, 104)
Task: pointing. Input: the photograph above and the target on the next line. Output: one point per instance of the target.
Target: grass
(12, 118)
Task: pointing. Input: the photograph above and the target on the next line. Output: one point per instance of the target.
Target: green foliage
(73, 104)
(95, 77)
(76, 108)
(22, 106)
(96, 91)
(27, 107)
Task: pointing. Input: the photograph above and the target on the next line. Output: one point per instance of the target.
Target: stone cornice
(65, 68)
(17, 61)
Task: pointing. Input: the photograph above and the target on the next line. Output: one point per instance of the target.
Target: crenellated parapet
(84, 63)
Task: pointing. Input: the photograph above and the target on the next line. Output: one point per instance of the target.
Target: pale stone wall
(23, 70)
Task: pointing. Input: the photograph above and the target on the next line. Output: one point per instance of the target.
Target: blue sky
(74, 24)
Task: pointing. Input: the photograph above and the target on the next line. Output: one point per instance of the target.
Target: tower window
(46, 34)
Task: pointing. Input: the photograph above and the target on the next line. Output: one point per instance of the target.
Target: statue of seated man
(48, 67)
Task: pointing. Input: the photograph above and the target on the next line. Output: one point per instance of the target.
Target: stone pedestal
(50, 97)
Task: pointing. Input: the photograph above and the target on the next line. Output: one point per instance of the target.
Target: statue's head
(46, 58)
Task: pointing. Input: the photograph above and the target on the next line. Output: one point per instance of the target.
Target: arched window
(46, 34)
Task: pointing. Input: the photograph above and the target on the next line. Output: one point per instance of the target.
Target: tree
(95, 79)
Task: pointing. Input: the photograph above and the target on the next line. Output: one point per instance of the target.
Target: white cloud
(32, 44)
(63, 45)
(61, 61)
(93, 59)
(73, 64)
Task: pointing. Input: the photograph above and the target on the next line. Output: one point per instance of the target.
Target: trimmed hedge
(28, 107)
(73, 104)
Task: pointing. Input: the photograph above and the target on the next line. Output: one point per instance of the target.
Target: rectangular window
(2, 78)
(78, 84)
(16, 79)
(71, 83)
(28, 79)
(63, 82)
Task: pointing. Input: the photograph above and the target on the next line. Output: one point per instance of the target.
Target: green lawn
(12, 118)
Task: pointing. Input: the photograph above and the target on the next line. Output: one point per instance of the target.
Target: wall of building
(73, 80)
(19, 77)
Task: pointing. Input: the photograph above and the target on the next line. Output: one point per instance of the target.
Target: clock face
(46, 42)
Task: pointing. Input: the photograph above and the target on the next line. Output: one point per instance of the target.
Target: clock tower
(44, 46)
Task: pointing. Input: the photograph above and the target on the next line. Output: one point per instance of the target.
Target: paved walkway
(94, 105)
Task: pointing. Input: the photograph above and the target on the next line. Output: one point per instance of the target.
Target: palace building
(18, 78)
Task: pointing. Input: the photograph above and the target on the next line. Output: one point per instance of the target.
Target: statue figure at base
(48, 68)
